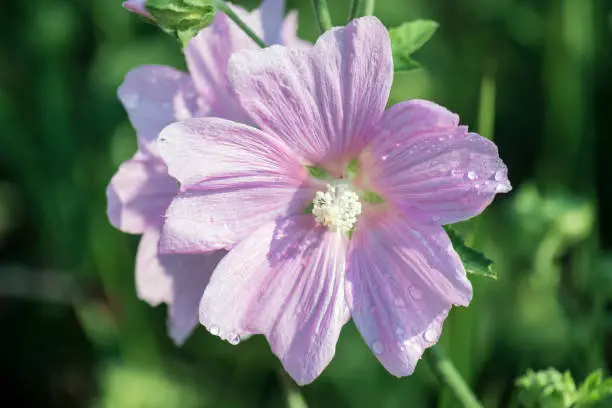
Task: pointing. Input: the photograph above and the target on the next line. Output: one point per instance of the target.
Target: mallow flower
(141, 190)
(332, 208)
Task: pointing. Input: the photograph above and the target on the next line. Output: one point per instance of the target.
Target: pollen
(337, 208)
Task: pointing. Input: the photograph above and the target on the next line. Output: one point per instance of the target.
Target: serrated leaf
(474, 261)
(408, 38)
(182, 18)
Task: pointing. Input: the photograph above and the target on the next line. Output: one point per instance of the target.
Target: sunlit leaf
(474, 261)
(408, 38)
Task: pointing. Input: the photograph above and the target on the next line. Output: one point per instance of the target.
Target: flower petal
(423, 159)
(178, 280)
(207, 56)
(323, 102)
(285, 281)
(289, 35)
(401, 281)
(155, 96)
(271, 13)
(235, 179)
(139, 194)
(138, 7)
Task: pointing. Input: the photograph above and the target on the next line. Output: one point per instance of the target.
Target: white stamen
(338, 208)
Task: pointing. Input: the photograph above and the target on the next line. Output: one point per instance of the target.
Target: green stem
(361, 8)
(223, 7)
(447, 374)
(355, 4)
(321, 11)
(368, 8)
(292, 392)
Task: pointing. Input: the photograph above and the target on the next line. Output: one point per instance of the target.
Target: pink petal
(155, 96)
(285, 281)
(138, 7)
(207, 56)
(139, 194)
(423, 159)
(401, 281)
(271, 13)
(289, 35)
(178, 280)
(323, 102)
(235, 179)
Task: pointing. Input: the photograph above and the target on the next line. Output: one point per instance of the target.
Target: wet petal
(285, 281)
(401, 281)
(323, 102)
(423, 159)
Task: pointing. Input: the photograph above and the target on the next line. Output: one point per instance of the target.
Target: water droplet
(431, 335)
(501, 188)
(435, 218)
(456, 173)
(234, 339)
(471, 175)
(384, 157)
(131, 101)
(378, 347)
(399, 331)
(416, 293)
(441, 138)
(417, 348)
(214, 330)
(499, 176)
(399, 302)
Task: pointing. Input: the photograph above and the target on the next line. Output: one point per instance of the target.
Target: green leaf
(546, 389)
(182, 18)
(474, 261)
(594, 390)
(408, 38)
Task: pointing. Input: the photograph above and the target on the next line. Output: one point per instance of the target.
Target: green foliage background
(536, 75)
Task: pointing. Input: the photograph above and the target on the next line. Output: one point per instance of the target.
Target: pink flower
(140, 192)
(138, 7)
(363, 240)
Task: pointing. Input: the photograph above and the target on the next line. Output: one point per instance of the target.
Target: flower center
(337, 208)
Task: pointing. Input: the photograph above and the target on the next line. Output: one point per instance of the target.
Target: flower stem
(361, 8)
(354, 7)
(321, 11)
(368, 7)
(447, 374)
(223, 7)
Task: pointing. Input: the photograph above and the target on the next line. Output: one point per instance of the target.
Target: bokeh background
(533, 75)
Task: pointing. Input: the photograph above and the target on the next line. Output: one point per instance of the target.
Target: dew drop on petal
(499, 176)
(378, 347)
(416, 293)
(431, 334)
(234, 339)
(214, 330)
(399, 331)
(471, 175)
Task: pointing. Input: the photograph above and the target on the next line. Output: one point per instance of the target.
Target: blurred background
(533, 75)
